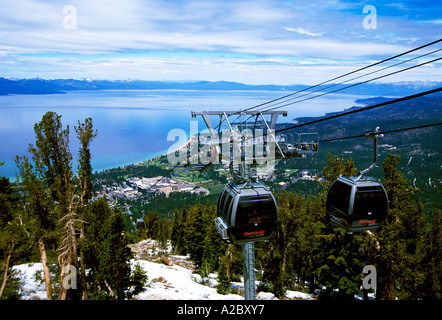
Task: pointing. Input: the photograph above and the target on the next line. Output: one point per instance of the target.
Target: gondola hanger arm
(375, 135)
(272, 134)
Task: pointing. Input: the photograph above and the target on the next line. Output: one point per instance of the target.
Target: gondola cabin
(140, 224)
(357, 204)
(246, 212)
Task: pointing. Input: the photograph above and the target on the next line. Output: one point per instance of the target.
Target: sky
(254, 42)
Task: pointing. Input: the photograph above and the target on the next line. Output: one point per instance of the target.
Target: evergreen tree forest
(50, 218)
(307, 253)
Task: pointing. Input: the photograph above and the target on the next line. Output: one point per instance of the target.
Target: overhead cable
(384, 132)
(358, 77)
(356, 84)
(347, 74)
(336, 78)
(378, 105)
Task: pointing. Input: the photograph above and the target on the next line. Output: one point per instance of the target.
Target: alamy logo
(231, 145)
(370, 21)
(70, 18)
(370, 280)
(69, 277)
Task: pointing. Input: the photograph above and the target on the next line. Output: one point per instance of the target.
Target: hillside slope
(173, 281)
(421, 149)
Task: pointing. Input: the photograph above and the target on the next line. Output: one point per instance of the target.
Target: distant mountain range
(60, 86)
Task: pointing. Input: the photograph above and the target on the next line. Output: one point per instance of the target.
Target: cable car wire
(378, 105)
(338, 77)
(356, 84)
(358, 77)
(384, 132)
(412, 128)
(342, 115)
(352, 85)
(346, 74)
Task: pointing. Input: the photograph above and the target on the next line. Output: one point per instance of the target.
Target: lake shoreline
(132, 125)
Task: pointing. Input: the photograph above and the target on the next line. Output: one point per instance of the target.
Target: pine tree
(207, 260)
(399, 191)
(85, 135)
(52, 171)
(223, 285)
(337, 264)
(57, 196)
(183, 234)
(150, 220)
(214, 247)
(308, 240)
(108, 256)
(341, 268)
(194, 234)
(40, 217)
(338, 166)
(282, 245)
(161, 232)
(13, 240)
(431, 287)
(400, 238)
(234, 261)
(177, 231)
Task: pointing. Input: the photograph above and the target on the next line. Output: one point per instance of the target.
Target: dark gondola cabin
(247, 212)
(357, 204)
(140, 224)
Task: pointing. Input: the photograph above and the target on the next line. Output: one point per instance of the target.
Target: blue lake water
(132, 124)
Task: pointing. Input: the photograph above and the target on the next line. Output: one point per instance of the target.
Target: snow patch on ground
(32, 289)
(176, 281)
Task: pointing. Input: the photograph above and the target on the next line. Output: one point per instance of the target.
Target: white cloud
(242, 68)
(303, 31)
(257, 39)
(397, 5)
(436, 21)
